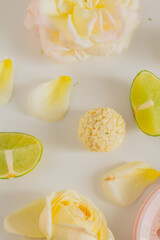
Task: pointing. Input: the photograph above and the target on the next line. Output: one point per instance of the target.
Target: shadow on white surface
(148, 47)
(20, 41)
(111, 92)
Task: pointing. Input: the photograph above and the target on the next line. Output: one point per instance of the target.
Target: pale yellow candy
(101, 129)
(123, 185)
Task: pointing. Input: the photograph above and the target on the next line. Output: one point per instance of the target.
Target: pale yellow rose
(72, 30)
(66, 215)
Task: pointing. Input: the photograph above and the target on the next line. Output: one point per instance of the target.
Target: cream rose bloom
(65, 215)
(72, 30)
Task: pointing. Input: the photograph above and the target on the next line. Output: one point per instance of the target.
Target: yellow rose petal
(32, 238)
(84, 20)
(71, 232)
(126, 183)
(104, 232)
(50, 101)
(26, 220)
(65, 215)
(6, 81)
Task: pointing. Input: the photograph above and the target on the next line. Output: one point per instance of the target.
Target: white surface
(102, 82)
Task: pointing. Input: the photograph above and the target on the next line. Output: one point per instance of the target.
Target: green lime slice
(19, 154)
(145, 102)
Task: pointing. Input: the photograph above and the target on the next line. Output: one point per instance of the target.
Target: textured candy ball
(101, 129)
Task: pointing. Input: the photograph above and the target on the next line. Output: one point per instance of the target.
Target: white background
(102, 82)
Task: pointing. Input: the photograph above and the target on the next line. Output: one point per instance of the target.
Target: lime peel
(19, 154)
(145, 102)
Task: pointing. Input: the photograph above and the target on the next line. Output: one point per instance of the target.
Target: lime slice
(145, 102)
(19, 154)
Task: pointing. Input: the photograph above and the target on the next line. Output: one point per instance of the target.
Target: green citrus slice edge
(145, 102)
(19, 154)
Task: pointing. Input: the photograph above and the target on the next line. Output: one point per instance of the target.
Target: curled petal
(106, 29)
(26, 220)
(126, 183)
(29, 21)
(84, 20)
(101, 49)
(105, 36)
(131, 3)
(67, 40)
(50, 101)
(55, 213)
(6, 81)
(82, 41)
(82, 26)
(45, 220)
(111, 6)
(81, 55)
(91, 4)
(51, 42)
(71, 232)
(65, 215)
(108, 19)
(59, 23)
(65, 6)
(69, 207)
(64, 57)
(104, 232)
(46, 9)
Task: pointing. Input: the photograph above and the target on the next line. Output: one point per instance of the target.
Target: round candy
(101, 129)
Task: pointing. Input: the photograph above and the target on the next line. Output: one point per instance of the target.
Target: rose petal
(84, 20)
(101, 49)
(54, 47)
(108, 19)
(104, 37)
(65, 6)
(79, 25)
(131, 3)
(6, 81)
(67, 40)
(26, 220)
(71, 232)
(50, 101)
(29, 21)
(82, 41)
(45, 220)
(64, 57)
(104, 232)
(81, 55)
(91, 4)
(86, 215)
(126, 183)
(50, 41)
